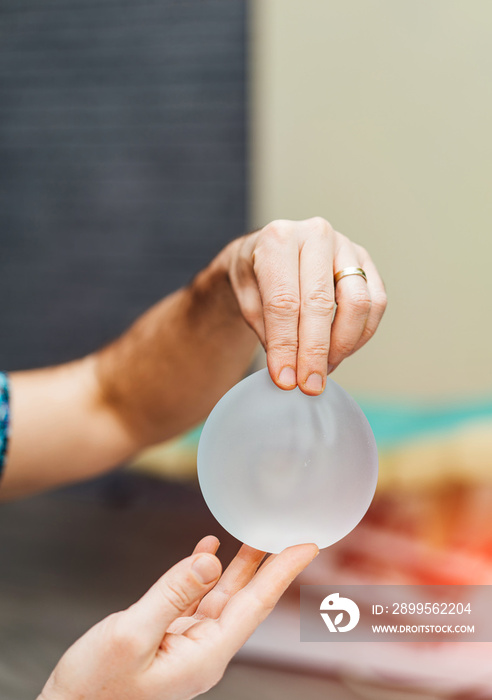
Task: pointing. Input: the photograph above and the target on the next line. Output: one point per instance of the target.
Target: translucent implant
(279, 468)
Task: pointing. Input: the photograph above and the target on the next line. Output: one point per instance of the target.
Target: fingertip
(313, 385)
(206, 567)
(310, 547)
(310, 551)
(287, 378)
(209, 543)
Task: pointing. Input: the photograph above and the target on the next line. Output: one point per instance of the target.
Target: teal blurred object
(396, 422)
(393, 423)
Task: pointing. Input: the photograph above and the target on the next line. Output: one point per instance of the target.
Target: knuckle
(380, 301)
(361, 303)
(320, 300)
(261, 605)
(123, 641)
(282, 346)
(342, 241)
(320, 225)
(277, 230)
(343, 347)
(369, 331)
(213, 675)
(176, 597)
(219, 674)
(316, 351)
(266, 603)
(283, 303)
(251, 311)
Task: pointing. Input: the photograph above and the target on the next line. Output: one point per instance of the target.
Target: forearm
(59, 429)
(176, 361)
(160, 377)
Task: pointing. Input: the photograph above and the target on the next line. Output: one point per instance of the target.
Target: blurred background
(136, 139)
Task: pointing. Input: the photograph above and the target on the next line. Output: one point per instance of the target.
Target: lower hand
(176, 641)
(282, 277)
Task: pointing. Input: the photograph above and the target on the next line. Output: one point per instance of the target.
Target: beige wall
(378, 116)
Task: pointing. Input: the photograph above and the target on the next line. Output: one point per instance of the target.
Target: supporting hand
(176, 641)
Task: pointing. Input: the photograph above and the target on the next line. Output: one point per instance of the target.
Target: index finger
(250, 606)
(239, 572)
(276, 266)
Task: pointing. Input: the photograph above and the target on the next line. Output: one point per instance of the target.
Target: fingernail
(287, 377)
(206, 568)
(314, 382)
(331, 368)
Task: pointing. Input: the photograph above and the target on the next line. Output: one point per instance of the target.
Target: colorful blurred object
(434, 491)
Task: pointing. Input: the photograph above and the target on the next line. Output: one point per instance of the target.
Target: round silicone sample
(279, 468)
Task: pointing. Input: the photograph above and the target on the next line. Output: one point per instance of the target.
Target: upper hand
(282, 277)
(176, 641)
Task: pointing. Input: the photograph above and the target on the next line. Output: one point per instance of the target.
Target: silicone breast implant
(278, 468)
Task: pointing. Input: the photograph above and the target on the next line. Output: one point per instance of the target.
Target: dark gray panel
(122, 162)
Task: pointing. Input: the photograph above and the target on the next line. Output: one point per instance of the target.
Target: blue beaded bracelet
(4, 418)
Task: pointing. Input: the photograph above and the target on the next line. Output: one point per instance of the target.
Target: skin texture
(177, 640)
(283, 279)
(167, 371)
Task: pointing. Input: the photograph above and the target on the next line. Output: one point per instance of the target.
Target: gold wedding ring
(350, 271)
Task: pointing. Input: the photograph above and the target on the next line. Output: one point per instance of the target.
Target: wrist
(213, 284)
(119, 442)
